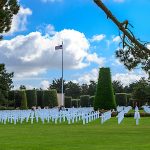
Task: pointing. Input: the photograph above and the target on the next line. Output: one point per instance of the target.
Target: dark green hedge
(17, 98)
(53, 98)
(75, 103)
(68, 101)
(104, 98)
(40, 99)
(91, 101)
(23, 100)
(46, 97)
(121, 99)
(31, 98)
(50, 98)
(84, 100)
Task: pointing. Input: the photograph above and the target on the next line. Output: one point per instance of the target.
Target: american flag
(58, 47)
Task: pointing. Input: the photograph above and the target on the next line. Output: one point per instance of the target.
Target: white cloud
(34, 54)
(129, 77)
(97, 38)
(45, 84)
(116, 39)
(148, 46)
(94, 58)
(92, 75)
(50, 29)
(45, 1)
(19, 21)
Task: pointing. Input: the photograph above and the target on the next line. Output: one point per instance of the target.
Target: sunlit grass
(92, 136)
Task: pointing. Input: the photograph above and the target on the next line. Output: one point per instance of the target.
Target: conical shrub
(104, 98)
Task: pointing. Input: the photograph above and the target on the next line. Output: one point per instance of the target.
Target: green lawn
(92, 136)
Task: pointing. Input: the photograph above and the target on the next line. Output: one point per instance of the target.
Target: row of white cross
(121, 112)
(71, 115)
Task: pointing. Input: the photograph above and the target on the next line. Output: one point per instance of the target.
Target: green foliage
(11, 95)
(141, 90)
(5, 83)
(104, 98)
(17, 98)
(121, 99)
(84, 89)
(57, 84)
(92, 88)
(84, 100)
(118, 87)
(46, 97)
(91, 101)
(40, 100)
(53, 98)
(6, 108)
(75, 103)
(2, 98)
(68, 101)
(11, 98)
(8, 8)
(31, 98)
(23, 100)
(73, 90)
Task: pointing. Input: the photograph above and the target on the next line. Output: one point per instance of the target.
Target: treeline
(125, 95)
(137, 91)
(83, 101)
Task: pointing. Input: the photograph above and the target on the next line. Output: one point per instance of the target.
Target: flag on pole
(58, 47)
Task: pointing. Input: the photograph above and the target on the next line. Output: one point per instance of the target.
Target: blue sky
(90, 40)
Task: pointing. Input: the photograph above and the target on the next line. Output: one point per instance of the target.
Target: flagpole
(62, 86)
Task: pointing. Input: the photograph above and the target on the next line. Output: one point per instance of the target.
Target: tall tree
(8, 8)
(5, 82)
(84, 89)
(141, 90)
(92, 88)
(73, 89)
(57, 84)
(118, 87)
(133, 52)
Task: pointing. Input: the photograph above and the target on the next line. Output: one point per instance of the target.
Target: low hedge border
(142, 114)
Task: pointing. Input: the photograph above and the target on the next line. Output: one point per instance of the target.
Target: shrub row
(27, 99)
(84, 101)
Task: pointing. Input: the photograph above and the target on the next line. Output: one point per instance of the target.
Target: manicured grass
(92, 136)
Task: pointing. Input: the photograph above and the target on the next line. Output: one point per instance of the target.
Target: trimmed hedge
(104, 98)
(50, 98)
(23, 100)
(40, 99)
(11, 95)
(84, 100)
(68, 101)
(6, 108)
(121, 99)
(75, 103)
(17, 98)
(46, 97)
(53, 98)
(142, 114)
(91, 101)
(31, 98)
